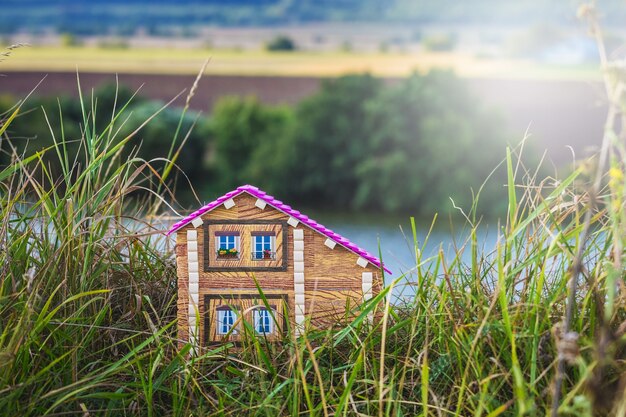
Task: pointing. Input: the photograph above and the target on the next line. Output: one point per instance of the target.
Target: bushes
(357, 144)
(361, 145)
(281, 43)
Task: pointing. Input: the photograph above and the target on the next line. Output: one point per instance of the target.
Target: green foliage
(358, 144)
(330, 139)
(79, 287)
(245, 134)
(45, 120)
(425, 134)
(157, 136)
(281, 43)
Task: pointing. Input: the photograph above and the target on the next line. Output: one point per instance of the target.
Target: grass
(88, 303)
(315, 64)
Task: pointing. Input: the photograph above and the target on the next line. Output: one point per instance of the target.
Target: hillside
(98, 17)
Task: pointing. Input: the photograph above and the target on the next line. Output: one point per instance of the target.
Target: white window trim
(220, 318)
(256, 315)
(237, 241)
(272, 244)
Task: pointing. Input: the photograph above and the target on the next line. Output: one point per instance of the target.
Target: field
(315, 64)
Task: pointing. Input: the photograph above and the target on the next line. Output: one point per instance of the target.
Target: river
(392, 239)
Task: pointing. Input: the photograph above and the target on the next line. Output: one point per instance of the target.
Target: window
(263, 323)
(227, 245)
(225, 320)
(263, 246)
(227, 242)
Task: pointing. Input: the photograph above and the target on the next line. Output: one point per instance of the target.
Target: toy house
(309, 275)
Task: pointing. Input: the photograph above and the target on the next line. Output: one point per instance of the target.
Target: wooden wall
(332, 277)
(245, 235)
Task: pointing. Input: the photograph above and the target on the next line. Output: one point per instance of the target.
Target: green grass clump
(88, 299)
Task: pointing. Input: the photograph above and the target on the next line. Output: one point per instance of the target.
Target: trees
(361, 145)
(281, 43)
(246, 136)
(329, 140)
(357, 144)
(157, 136)
(430, 141)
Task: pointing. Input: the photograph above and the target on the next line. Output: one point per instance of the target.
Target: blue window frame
(227, 245)
(227, 242)
(261, 244)
(263, 323)
(225, 320)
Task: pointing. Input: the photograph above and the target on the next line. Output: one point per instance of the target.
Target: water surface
(392, 239)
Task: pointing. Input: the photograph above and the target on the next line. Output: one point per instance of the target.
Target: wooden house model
(308, 274)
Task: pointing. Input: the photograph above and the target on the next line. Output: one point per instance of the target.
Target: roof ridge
(279, 205)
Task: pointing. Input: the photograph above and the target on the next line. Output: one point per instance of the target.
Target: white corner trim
(300, 323)
(330, 243)
(193, 286)
(197, 222)
(293, 222)
(299, 309)
(298, 278)
(367, 284)
(192, 310)
(193, 340)
(260, 203)
(362, 262)
(230, 203)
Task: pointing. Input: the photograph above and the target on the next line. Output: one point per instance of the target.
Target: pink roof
(279, 205)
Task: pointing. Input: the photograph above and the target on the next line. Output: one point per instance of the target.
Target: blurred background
(359, 112)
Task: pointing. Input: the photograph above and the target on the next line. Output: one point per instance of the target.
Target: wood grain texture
(330, 307)
(333, 268)
(244, 305)
(246, 242)
(333, 280)
(245, 209)
(182, 302)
